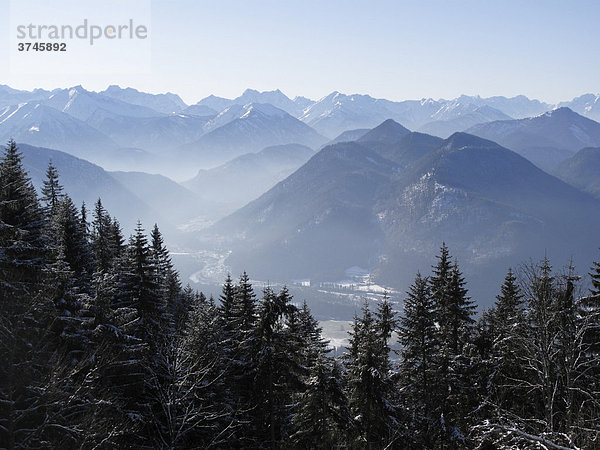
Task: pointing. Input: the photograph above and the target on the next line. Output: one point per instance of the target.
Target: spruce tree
(141, 315)
(311, 336)
(52, 190)
(226, 310)
(85, 226)
(168, 279)
(71, 277)
(70, 238)
(245, 304)
(240, 349)
(385, 324)
(276, 375)
(102, 238)
(369, 384)
(227, 299)
(25, 309)
(116, 240)
(141, 285)
(508, 311)
(506, 323)
(418, 338)
(453, 313)
(440, 278)
(22, 243)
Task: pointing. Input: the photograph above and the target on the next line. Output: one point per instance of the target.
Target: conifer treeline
(101, 347)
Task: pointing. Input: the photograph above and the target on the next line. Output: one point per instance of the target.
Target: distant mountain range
(165, 103)
(587, 105)
(125, 129)
(547, 139)
(351, 206)
(312, 188)
(174, 201)
(337, 112)
(248, 129)
(468, 116)
(86, 182)
(82, 104)
(246, 177)
(129, 196)
(41, 125)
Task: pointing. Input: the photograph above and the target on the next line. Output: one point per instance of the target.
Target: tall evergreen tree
(276, 375)
(72, 277)
(245, 304)
(141, 315)
(227, 301)
(168, 279)
(70, 238)
(440, 278)
(240, 348)
(52, 190)
(116, 240)
(369, 384)
(418, 337)
(386, 323)
(85, 226)
(312, 341)
(102, 238)
(141, 287)
(540, 340)
(507, 322)
(453, 313)
(22, 245)
(508, 311)
(25, 310)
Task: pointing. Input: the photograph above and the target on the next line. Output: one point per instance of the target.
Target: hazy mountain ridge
(248, 176)
(87, 182)
(546, 139)
(349, 206)
(587, 105)
(37, 124)
(252, 128)
(168, 103)
(582, 170)
(321, 207)
(518, 107)
(158, 134)
(336, 112)
(11, 97)
(348, 136)
(81, 104)
(469, 116)
(128, 118)
(159, 191)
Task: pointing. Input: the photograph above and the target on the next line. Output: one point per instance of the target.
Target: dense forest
(102, 347)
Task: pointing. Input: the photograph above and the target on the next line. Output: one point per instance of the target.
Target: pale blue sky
(392, 49)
